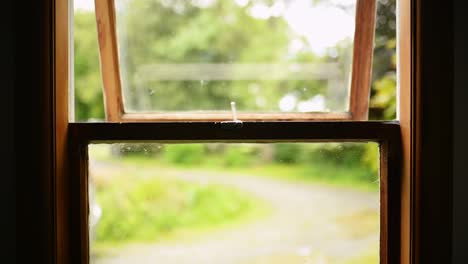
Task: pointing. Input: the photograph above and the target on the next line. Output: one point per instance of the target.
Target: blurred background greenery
(144, 201)
(201, 35)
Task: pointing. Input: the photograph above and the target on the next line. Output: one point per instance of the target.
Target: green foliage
(385, 95)
(180, 31)
(222, 33)
(184, 154)
(239, 156)
(351, 175)
(335, 153)
(156, 31)
(289, 153)
(383, 92)
(342, 162)
(152, 209)
(371, 158)
(146, 149)
(89, 102)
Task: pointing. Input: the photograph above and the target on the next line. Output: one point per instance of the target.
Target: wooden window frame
(47, 183)
(387, 134)
(112, 84)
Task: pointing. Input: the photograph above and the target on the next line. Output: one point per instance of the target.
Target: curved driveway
(304, 227)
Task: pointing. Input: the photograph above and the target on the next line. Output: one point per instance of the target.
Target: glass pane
(266, 55)
(383, 101)
(88, 98)
(234, 203)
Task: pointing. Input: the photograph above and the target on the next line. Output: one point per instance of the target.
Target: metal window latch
(234, 123)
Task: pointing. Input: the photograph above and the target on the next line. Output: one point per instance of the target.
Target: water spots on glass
(202, 54)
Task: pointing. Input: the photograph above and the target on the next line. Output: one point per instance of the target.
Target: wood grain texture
(405, 115)
(78, 209)
(60, 131)
(362, 59)
(109, 59)
(384, 202)
(390, 206)
(225, 115)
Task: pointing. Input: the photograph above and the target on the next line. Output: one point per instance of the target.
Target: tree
(88, 82)
(215, 31)
(383, 93)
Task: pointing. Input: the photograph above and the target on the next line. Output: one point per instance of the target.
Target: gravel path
(303, 227)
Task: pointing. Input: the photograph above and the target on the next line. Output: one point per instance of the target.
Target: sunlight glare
(288, 102)
(323, 25)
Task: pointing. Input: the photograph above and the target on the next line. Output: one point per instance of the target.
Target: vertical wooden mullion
(384, 213)
(390, 207)
(84, 203)
(406, 103)
(79, 208)
(362, 59)
(108, 51)
(60, 124)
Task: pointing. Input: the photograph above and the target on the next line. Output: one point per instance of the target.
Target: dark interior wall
(33, 130)
(7, 193)
(7, 176)
(460, 93)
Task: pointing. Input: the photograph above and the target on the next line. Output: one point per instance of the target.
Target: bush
(370, 156)
(136, 149)
(153, 209)
(287, 153)
(235, 156)
(185, 154)
(343, 161)
(340, 154)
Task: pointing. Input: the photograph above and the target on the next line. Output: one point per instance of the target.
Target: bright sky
(322, 24)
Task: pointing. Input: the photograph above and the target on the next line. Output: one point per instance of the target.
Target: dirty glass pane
(266, 55)
(234, 203)
(260, 94)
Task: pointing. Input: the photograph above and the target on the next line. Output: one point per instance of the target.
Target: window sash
(387, 134)
(360, 79)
